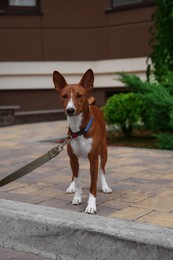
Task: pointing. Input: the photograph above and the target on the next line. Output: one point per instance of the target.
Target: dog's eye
(79, 95)
(64, 96)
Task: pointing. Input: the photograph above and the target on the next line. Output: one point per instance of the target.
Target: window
(22, 3)
(129, 4)
(22, 7)
(125, 2)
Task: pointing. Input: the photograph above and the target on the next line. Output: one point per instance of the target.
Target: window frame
(6, 9)
(123, 7)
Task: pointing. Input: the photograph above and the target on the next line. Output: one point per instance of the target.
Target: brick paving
(141, 179)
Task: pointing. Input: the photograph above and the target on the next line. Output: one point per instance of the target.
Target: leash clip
(67, 140)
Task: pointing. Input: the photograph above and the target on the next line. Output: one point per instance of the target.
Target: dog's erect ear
(87, 80)
(59, 81)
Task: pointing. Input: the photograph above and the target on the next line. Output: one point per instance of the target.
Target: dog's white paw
(91, 208)
(106, 189)
(71, 188)
(77, 200)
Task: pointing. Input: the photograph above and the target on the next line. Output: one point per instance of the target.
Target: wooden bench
(7, 115)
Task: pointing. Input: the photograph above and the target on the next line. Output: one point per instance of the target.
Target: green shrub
(124, 110)
(159, 99)
(157, 96)
(164, 141)
(157, 91)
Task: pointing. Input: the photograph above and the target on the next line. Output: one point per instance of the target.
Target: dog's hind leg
(103, 160)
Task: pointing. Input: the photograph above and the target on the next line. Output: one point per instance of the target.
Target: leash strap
(35, 164)
(44, 158)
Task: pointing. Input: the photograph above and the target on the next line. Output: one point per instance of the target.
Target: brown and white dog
(87, 123)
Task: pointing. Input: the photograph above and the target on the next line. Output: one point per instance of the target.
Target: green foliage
(171, 118)
(124, 110)
(162, 39)
(157, 96)
(153, 92)
(165, 141)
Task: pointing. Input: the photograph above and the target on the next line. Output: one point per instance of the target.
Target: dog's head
(74, 97)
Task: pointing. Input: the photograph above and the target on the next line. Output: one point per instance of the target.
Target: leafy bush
(125, 110)
(157, 91)
(159, 100)
(165, 141)
(157, 96)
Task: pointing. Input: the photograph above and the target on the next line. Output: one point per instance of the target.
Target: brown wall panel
(20, 45)
(75, 30)
(30, 100)
(99, 94)
(69, 44)
(130, 16)
(20, 21)
(74, 14)
(128, 41)
(101, 44)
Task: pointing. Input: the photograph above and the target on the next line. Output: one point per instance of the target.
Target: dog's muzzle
(70, 111)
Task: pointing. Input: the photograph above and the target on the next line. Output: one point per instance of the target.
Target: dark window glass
(125, 2)
(22, 7)
(22, 3)
(129, 4)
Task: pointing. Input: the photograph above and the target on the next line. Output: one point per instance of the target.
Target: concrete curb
(61, 234)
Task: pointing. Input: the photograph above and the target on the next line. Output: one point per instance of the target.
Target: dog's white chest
(81, 146)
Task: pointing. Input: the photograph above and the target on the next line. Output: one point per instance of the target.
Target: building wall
(75, 30)
(69, 36)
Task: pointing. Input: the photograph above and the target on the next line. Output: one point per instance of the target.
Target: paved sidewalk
(141, 179)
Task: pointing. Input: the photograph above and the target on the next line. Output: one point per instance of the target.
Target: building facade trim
(38, 75)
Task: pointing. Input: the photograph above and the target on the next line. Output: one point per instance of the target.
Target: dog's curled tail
(91, 100)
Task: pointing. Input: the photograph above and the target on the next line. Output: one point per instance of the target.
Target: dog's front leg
(91, 208)
(78, 190)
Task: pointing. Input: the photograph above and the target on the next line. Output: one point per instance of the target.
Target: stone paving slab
(141, 179)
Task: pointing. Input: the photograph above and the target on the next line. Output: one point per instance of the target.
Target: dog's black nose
(70, 111)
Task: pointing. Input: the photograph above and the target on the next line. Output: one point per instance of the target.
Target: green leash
(44, 158)
(36, 163)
